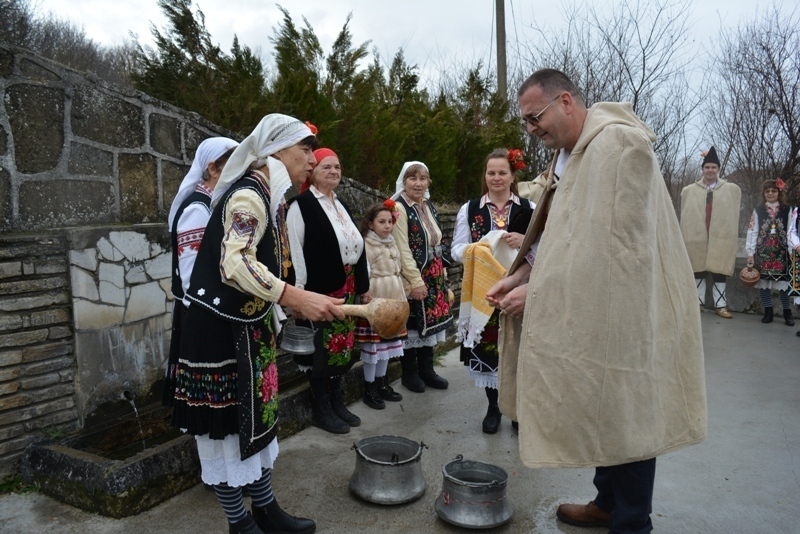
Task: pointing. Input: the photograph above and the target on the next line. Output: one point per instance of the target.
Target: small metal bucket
(473, 495)
(298, 339)
(388, 470)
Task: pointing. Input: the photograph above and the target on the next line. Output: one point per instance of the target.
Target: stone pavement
(744, 478)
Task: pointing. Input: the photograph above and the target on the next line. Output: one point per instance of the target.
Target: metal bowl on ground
(388, 470)
(298, 339)
(474, 495)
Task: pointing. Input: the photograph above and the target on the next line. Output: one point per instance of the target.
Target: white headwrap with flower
(207, 152)
(274, 133)
(398, 185)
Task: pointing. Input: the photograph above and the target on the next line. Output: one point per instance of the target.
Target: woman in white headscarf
(418, 236)
(227, 391)
(188, 217)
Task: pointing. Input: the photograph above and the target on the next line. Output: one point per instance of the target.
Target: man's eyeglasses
(534, 120)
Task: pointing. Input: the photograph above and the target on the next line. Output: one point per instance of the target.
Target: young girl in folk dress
(385, 282)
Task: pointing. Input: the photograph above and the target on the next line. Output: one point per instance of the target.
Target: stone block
(193, 138)
(91, 316)
(106, 119)
(31, 412)
(28, 268)
(171, 177)
(3, 141)
(6, 63)
(136, 274)
(138, 188)
(52, 392)
(48, 317)
(53, 419)
(51, 266)
(11, 432)
(12, 357)
(5, 200)
(146, 300)
(44, 352)
(165, 135)
(32, 285)
(83, 285)
(39, 381)
(112, 273)
(111, 294)
(166, 286)
(19, 339)
(8, 270)
(34, 71)
(35, 301)
(10, 373)
(54, 203)
(159, 267)
(133, 245)
(10, 322)
(32, 247)
(36, 117)
(87, 160)
(108, 251)
(59, 332)
(17, 445)
(9, 387)
(85, 259)
(48, 366)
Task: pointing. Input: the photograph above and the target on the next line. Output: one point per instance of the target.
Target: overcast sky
(433, 33)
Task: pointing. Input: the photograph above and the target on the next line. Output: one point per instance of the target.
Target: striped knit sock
(766, 297)
(231, 501)
(261, 490)
(784, 299)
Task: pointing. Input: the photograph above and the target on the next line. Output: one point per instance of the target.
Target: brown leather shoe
(723, 312)
(583, 515)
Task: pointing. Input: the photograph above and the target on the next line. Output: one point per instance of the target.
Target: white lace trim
(414, 341)
(468, 332)
(384, 350)
(220, 461)
(483, 380)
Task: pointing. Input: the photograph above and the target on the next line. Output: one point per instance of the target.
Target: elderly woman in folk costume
(328, 258)
(188, 217)
(768, 251)
(226, 394)
(418, 236)
(487, 235)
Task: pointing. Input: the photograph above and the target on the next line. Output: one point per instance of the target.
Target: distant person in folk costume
(794, 250)
(710, 227)
(768, 249)
(188, 217)
(227, 379)
(488, 229)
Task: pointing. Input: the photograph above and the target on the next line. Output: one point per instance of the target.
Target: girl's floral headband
(515, 159)
(391, 205)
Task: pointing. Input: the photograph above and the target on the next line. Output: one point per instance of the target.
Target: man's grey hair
(552, 82)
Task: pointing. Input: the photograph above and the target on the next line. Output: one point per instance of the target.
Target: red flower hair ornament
(780, 184)
(314, 129)
(515, 159)
(391, 205)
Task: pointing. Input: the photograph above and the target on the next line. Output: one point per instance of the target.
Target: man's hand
(514, 302)
(499, 291)
(513, 239)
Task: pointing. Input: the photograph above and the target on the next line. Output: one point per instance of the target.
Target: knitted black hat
(711, 157)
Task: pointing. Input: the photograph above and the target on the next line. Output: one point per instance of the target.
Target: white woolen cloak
(610, 361)
(713, 250)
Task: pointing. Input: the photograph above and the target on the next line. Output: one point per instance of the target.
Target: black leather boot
(338, 405)
(272, 520)
(323, 416)
(371, 396)
(492, 420)
(385, 390)
(787, 317)
(426, 372)
(245, 526)
(411, 379)
(767, 315)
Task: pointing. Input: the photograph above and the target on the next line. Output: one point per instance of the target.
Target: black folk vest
(518, 218)
(417, 234)
(207, 288)
(200, 198)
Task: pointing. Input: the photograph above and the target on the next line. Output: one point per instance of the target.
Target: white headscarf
(398, 185)
(274, 133)
(208, 151)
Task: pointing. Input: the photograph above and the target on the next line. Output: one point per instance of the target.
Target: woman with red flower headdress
(328, 257)
(499, 219)
(767, 248)
(418, 235)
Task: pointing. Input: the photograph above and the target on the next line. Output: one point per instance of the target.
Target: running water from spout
(127, 395)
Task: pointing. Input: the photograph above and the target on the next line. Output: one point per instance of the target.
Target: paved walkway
(744, 478)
